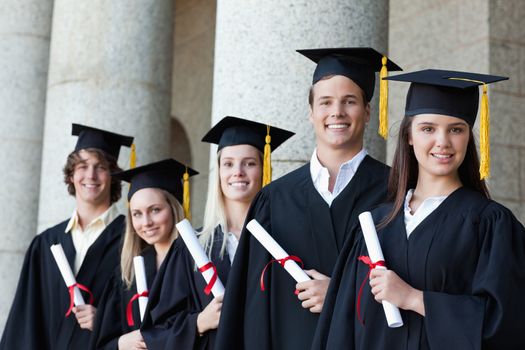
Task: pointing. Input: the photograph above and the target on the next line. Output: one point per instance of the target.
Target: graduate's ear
(367, 112)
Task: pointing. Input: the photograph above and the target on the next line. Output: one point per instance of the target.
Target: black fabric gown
(177, 299)
(295, 214)
(468, 258)
(37, 318)
(111, 321)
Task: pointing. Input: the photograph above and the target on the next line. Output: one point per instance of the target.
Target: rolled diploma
(142, 285)
(393, 317)
(276, 250)
(190, 238)
(65, 271)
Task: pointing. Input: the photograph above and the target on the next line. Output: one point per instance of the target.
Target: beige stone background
(165, 71)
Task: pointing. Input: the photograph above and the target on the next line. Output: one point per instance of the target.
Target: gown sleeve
(24, 328)
(174, 306)
(492, 316)
(107, 329)
(245, 317)
(338, 317)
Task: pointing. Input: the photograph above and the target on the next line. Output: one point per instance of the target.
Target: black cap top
(444, 92)
(356, 63)
(232, 131)
(166, 174)
(109, 142)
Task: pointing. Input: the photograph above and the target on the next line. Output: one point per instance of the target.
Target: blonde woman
(185, 317)
(155, 198)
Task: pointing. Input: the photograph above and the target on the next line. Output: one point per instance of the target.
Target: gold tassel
(133, 157)
(484, 135)
(383, 99)
(186, 194)
(267, 161)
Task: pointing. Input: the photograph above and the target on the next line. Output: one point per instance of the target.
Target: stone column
(110, 67)
(258, 75)
(24, 55)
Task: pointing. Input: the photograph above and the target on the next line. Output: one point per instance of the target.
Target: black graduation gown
(468, 258)
(295, 214)
(37, 318)
(176, 302)
(111, 321)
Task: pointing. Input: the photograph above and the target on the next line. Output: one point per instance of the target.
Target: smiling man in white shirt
(309, 211)
(90, 239)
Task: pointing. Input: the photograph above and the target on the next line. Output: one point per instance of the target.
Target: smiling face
(152, 216)
(440, 144)
(339, 113)
(91, 179)
(240, 172)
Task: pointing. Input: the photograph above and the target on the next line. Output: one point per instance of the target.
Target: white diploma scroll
(67, 274)
(197, 252)
(141, 282)
(393, 317)
(276, 251)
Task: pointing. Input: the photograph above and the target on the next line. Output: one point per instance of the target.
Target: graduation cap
(167, 174)
(454, 94)
(231, 131)
(360, 65)
(109, 142)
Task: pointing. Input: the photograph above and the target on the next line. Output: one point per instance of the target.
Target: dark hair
(404, 173)
(73, 159)
(311, 91)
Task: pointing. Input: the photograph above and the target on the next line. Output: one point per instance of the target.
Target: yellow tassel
(484, 136)
(383, 99)
(267, 161)
(186, 194)
(133, 157)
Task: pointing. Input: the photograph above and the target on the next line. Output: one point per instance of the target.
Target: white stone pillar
(24, 55)
(110, 67)
(258, 75)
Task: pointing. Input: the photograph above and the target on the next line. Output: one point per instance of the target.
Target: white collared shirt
(83, 239)
(231, 246)
(321, 176)
(425, 209)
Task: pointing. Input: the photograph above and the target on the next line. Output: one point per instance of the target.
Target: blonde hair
(134, 245)
(214, 212)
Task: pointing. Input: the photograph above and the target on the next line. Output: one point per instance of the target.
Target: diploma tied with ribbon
(71, 283)
(142, 290)
(288, 262)
(205, 266)
(393, 316)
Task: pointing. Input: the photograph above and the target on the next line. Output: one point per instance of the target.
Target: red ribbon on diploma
(366, 260)
(129, 310)
(72, 296)
(209, 286)
(281, 262)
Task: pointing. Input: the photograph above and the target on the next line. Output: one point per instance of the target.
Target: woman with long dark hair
(455, 258)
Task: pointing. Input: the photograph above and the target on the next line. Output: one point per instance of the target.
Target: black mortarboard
(166, 174)
(109, 142)
(357, 63)
(455, 94)
(231, 131)
(444, 92)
